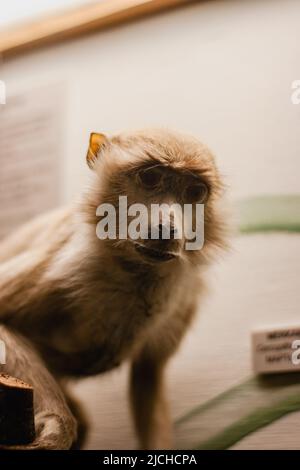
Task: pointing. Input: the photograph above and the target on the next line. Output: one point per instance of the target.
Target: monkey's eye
(197, 192)
(150, 178)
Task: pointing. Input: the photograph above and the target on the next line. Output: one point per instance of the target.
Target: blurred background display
(223, 71)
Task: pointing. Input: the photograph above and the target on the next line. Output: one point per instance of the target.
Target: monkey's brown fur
(74, 305)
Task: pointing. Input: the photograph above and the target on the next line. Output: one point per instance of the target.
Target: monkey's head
(154, 196)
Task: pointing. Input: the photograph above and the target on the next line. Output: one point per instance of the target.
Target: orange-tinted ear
(96, 142)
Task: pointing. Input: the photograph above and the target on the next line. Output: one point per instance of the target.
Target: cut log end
(16, 411)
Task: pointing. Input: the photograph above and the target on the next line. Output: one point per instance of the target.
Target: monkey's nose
(162, 232)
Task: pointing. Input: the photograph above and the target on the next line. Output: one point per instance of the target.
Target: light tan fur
(74, 305)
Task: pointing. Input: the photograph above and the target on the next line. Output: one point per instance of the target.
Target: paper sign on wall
(30, 151)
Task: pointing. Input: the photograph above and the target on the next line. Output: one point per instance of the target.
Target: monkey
(74, 305)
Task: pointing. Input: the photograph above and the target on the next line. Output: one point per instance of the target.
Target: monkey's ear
(97, 142)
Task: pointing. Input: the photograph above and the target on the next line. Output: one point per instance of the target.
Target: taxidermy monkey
(72, 305)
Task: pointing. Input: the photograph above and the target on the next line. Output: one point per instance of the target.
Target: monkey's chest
(105, 330)
(99, 343)
(89, 361)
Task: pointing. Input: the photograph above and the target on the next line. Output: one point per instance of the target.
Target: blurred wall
(220, 69)
(16, 11)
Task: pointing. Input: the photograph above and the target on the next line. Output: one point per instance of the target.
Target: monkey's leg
(56, 427)
(148, 402)
(82, 421)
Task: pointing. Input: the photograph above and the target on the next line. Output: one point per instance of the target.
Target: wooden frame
(73, 22)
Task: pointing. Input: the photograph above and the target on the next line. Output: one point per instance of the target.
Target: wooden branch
(74, 22)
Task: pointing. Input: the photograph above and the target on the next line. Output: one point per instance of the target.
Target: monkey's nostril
(172, 231)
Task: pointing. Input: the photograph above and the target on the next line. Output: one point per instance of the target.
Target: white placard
(276, 349)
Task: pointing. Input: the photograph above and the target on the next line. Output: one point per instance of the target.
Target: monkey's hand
(53, 432)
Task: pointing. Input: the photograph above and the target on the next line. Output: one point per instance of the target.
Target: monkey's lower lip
(153, 254)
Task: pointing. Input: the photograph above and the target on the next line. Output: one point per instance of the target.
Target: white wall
(16, 11)
(220, 70)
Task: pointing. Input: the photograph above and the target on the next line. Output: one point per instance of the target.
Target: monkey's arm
(148, 401)
(56, 427)
(147, 389)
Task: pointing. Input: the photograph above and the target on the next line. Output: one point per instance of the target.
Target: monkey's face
(158, 198)
(161, 188)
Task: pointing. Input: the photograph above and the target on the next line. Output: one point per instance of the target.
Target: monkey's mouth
(154, 254)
